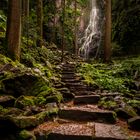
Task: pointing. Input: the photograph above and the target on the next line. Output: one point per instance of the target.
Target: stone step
(70, 80)
(109, 94)
(75, 84)
(82, 131)
(87, 113)
(68, 69)
(68, 72)
(68, 76)
(87, 99)
(84, 92)
(78, 88)
(69, 65)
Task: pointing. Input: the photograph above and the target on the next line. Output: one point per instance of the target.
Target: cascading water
(93, 33)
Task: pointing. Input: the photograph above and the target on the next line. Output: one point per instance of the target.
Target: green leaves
(112, 77)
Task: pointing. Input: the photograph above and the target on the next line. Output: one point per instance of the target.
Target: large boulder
(28, 84)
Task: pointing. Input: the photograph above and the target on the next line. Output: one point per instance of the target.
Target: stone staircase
(81, 119)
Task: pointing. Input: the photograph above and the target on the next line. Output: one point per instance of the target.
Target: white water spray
(93, 33)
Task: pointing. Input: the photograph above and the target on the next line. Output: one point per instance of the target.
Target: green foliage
(24, 101)
(126, 21)
(2, 24)
(107, 104)
(134, 103)
(111, 77)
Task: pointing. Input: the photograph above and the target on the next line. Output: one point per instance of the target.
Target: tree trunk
(25, 20)
(63, 27)
(75, 25)
(40, 22)
(25, 8)
(13, 33)
(107, 45)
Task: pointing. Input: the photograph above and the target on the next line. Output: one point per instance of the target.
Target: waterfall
(91, 40)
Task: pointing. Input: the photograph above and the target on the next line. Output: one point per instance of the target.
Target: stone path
(81, 119)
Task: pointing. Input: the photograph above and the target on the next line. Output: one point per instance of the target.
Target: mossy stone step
(87, 113)
(87, 99)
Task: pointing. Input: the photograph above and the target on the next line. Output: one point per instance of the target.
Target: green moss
(130, 110)
(40, 100)
(44, 93)
(24, 101)
(108, 104)
(54, 98)
(40, 86)
(42, 116)
(134, 103)
(26, 135)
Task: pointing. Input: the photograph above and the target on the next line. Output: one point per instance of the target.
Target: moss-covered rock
(126, 112)
(24, 121)
(108, 105)
(24, 101)
(26, 135)
(54, 98)
(28, 83)
(11, 111)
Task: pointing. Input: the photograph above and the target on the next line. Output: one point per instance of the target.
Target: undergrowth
(120, 76)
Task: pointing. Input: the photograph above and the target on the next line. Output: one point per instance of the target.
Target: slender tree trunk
(13, 33)
(107, 45)
(40, 22)
(63, 27)
(75, 25)
(25, 8)
(25, 19)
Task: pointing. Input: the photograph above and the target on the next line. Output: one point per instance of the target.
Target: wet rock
(134, 123)
(7, 101)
